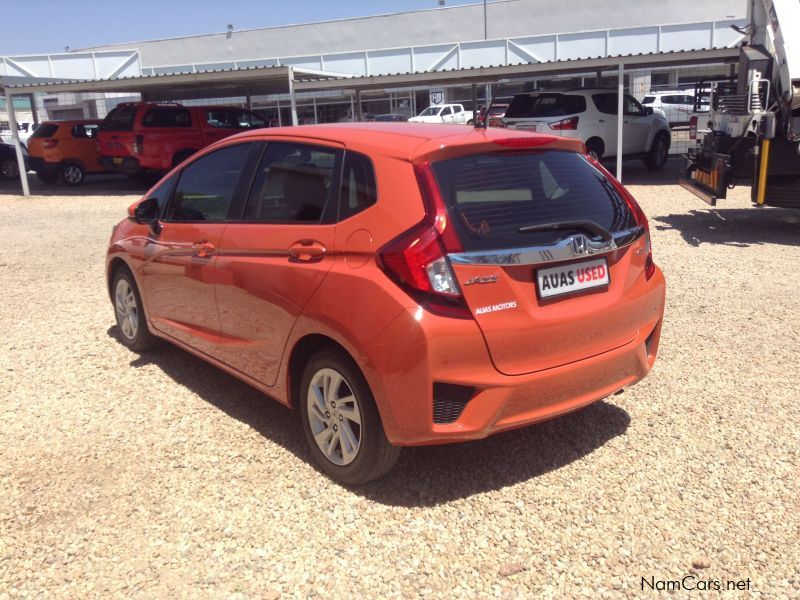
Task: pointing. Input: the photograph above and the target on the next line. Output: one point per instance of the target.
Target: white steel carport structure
(241, 82)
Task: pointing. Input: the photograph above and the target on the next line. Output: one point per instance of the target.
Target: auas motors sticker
(496, 307)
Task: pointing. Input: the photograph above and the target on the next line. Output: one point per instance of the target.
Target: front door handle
(203, 249)
(307, 251)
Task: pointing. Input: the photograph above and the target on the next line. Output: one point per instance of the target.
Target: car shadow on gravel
(424, 476)
(739, 227)
(94, 185)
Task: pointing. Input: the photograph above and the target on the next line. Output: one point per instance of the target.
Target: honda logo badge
(579, 245)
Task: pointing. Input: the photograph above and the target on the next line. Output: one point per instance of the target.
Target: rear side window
(490, 196)
(233, 118)
(85, 130)
(359, 190)
(206, 187)
(607, 103)
(167, 116)
(525, 106)
(293, 184)
(46, 130)
(119, 119)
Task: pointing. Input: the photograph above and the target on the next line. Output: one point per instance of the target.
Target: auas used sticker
(496, 307)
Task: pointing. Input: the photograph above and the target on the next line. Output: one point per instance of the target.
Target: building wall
(507, 18)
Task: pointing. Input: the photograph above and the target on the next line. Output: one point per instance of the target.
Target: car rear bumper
(491, 402)
(121, 164)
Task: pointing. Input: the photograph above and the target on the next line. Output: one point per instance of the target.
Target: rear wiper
(587, 226)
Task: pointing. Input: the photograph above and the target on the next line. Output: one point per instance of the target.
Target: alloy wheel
(127, 310)
(334, 416)
(73, 174)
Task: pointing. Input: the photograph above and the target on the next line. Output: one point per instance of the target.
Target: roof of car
(402, 140)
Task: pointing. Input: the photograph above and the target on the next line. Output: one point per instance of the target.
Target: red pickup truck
(140, 137)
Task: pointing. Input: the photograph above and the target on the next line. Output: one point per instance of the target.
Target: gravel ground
(158, 475)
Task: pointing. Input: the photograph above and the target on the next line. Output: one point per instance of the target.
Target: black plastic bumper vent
(449, 401)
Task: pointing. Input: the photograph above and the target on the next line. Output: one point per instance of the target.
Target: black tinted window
(605, 103)
(490, 196)
(162, 193)
(45, 130)
(358, 185)
(233, 118)
(206, 187)
(293, 183)
(171, 116)
(545, 105)
(119, 119)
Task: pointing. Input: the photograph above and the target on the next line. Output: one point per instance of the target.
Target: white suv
(591, 116)
(676, 106)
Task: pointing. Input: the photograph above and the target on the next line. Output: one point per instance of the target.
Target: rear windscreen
(45, 130)
(491, 196)
(119, 119)
(525, 106)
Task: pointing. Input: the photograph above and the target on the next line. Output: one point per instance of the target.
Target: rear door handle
(307, 251)
(203, 249)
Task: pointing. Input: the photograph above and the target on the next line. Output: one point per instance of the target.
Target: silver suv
(590, 115)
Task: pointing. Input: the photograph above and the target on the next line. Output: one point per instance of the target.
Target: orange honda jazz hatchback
(398, 284)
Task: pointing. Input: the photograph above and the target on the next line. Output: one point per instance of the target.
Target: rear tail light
(50, 143)
(693, 128)
(417, 259)
(571, 123)
(138, 144)
(638, 215)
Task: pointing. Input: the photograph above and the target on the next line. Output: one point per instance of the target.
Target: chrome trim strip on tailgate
(570, 248)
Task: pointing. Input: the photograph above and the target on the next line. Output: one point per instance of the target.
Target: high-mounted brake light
(417, 259)
(638, 215)
(523, 142)
(564, 124)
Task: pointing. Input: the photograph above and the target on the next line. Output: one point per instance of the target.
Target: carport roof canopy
(176, 86)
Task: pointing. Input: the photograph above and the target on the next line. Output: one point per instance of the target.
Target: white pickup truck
(444, 113)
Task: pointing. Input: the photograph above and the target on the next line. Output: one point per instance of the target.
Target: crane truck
(753, 131)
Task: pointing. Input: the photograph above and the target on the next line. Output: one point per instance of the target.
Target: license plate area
(569, 279)
(117, 160)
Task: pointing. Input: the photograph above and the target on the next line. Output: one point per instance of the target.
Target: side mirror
(648, 110)
(146, 213)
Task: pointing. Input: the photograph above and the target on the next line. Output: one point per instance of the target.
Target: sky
(44, 26)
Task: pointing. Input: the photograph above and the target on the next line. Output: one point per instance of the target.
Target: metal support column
(316, 117)
(12, 123)
(358, 106)
(32, 100)
(292, 98)
(352, 109)
(620, 115)
(280, 120)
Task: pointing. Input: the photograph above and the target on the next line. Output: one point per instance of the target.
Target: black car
(9, 169)
(391, 117)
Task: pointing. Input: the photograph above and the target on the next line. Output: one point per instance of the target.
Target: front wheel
(658, 154)
(135, 333)
(341, 422)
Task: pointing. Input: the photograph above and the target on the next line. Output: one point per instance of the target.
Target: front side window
(206, 187)
(359, 190)
(119, 119)
(167, 116)
(631, 106)
(431, 111)
(293, 184)
(447, 111)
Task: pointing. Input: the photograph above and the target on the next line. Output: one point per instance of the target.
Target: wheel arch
(302, 351)
(114, 265)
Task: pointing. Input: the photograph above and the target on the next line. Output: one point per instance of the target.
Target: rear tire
(9, 169)
(181, 156)
(72, 174)
(595, 149)
(129, 310)
(341, 421)
(658, 154)
(48, 176)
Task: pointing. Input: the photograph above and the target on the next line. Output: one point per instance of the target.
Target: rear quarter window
(359, 190)
(491, 196)
(45, 130)
(167, 117)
